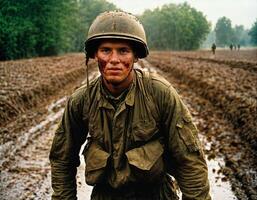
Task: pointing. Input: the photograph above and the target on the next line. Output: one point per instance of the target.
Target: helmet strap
(86, 64)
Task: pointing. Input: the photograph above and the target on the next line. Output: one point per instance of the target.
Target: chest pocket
(144, 130)
(95, 153)
(96, 133)
(96, 159)
(146, 116)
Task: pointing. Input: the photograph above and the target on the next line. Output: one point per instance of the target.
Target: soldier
(138, 130)
(238, 47)
(213, 48)
(231, 47)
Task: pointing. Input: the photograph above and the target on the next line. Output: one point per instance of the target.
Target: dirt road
(26, 137)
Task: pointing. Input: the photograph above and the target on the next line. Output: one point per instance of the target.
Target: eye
(105, 50)
(125, 50)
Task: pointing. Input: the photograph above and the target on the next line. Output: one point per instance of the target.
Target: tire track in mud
(249, 66)
(25, 167)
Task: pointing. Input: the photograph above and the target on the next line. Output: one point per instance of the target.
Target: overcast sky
(240, 12)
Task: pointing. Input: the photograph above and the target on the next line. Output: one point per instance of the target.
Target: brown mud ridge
(26, 136)
(242, 56)
(221, 97)
(231, 89)
(25, 83)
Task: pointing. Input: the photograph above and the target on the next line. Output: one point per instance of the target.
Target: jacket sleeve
(185, 157)
(64, 155)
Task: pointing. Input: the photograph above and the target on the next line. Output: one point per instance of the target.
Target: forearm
(190, 166)
(63, 181)
(186, 154)
(64, 154)
(192, 177)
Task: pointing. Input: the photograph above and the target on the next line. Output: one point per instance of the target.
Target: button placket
(117, 138)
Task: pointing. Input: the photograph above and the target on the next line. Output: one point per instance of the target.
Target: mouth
(114, 70)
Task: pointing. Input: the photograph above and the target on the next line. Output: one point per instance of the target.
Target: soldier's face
(115, 60)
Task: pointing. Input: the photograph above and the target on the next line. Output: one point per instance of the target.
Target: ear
(95, 56)
(135, 55)
(135, 58)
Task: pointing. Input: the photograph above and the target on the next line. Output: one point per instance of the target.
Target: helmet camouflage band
(117, 25)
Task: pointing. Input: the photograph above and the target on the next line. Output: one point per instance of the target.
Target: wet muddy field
(220, 91)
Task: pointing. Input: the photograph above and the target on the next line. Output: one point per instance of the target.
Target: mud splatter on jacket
(148, 135)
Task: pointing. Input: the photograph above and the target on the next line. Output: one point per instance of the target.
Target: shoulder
(160, 85)
(160, 89)
(83, 92)
(163, 91)
(159, 81)
(153, 78)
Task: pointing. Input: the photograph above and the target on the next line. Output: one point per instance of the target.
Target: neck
(117, 89)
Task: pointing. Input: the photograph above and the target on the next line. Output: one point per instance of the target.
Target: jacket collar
(129, 100)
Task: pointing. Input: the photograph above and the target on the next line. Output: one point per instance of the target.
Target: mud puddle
(220, 186)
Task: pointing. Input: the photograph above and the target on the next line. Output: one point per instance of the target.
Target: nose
(114, 58)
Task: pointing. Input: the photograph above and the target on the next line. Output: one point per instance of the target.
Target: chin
(114, 81)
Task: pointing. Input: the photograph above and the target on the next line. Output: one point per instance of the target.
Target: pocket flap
(144, 130)
(188, 133)
(95, 158)
(144, 157)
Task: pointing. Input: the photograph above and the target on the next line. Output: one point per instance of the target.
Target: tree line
(181, 27)
(176, 27)
(30, 28)
(226, 35)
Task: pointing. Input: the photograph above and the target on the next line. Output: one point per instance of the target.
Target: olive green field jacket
(151, 133)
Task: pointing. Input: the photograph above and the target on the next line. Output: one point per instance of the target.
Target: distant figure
(213, 48)
(238, 47)
(231, 47)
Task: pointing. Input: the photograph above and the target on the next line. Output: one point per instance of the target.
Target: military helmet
(117, 25)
